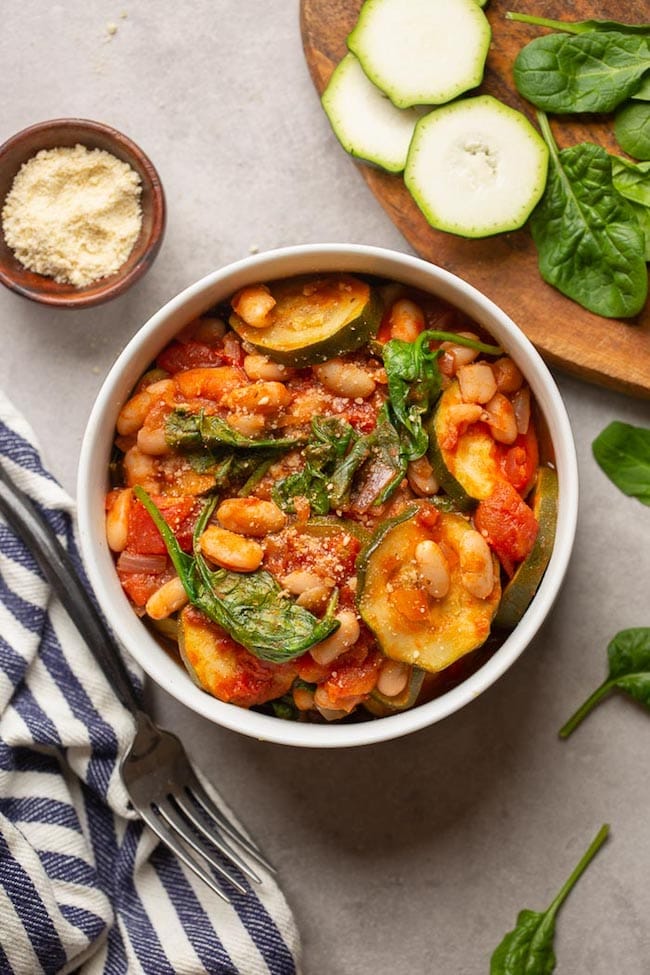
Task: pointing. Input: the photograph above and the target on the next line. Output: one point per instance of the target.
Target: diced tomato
(309, 671)
(178, 356)
(519, 462)
(508, 524)
(139, 586)
(354, 675)
(179, 513)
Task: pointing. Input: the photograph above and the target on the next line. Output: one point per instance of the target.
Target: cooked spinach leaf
(324, 452)
(414, 384)
(579, 26)
(589, 242)
(628, 655)
(378, 463)
(623, 452)
(642, 94)
(250, 606)
(591, 72)
(632, 129)
(528, 948)
(191, 431)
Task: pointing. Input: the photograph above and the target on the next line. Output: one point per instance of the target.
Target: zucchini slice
(381, 706)
(518, 593)
(315, 319)
(225, 669)
(409, 624)
(467, 464)
(476, 167)
(364, 120)
(421, 52)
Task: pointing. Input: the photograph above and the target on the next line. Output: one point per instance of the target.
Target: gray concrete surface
(414, 855)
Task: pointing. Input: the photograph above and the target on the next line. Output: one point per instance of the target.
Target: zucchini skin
(352, 334)
(520, 590)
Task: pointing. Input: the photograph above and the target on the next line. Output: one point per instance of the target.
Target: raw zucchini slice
(518, 593)
(476, 167)
(421, 52)
(365, 121)
(466, 462)
(315, 319)
(409, 624)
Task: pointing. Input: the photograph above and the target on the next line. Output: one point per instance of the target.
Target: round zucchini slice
(467, 462)
(315, 319)
(411, 625)
(421, 52)
(518, 593)
(364, 120)
(476, 167)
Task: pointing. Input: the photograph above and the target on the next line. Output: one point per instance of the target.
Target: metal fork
(156, 771)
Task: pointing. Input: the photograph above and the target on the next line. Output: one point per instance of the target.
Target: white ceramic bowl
(157, 332)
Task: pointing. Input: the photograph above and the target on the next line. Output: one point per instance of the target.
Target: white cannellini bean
(259, 397)
(117, 521)
(248, 424)
(476, 566)
(345, 379)
(153, 440)
(230, 550)
(261, 367)
(507, 375)
(347, 634)
(459, 355)
(253, 304)
(501, 419)
(477, 382)
(140, 468)
(134, 413)
(251, 516)
(300, 580)
(406, 320)
(393, 677)
(167, 600)
(432, 568)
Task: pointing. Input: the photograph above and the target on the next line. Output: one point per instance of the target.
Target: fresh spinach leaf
(623, 452)
(591, 72)
(528, 948)
(631, 180)
(191, 431)
(632, 129)
(382, 469)
(250, 606)
(579, 26)
(589, 242)
(628, 654)
(642, 94)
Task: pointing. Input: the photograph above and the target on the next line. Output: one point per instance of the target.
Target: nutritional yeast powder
(73, 214)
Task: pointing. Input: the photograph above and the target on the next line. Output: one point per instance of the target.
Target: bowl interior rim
(152, 337)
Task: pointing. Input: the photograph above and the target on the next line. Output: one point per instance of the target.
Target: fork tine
(169, 813)
(197, 792)
(190, 812)
(161, 830)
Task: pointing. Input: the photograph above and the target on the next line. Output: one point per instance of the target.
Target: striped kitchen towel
(83, 886)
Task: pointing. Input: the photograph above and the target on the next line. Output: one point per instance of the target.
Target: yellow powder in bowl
(73, 214)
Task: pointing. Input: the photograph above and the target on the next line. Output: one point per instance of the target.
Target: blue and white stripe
(83, 886)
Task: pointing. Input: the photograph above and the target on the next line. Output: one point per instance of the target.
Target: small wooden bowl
(93, 135)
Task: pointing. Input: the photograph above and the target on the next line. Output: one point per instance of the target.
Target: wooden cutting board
(605, 351)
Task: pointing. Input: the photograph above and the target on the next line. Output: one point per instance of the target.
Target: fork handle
(58, 569)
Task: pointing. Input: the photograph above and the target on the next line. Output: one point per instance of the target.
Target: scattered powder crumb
(111, 30)
(95, 370)
(253, 249)
(73, 214)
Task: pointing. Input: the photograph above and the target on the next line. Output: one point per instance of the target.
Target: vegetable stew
(333, 496)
